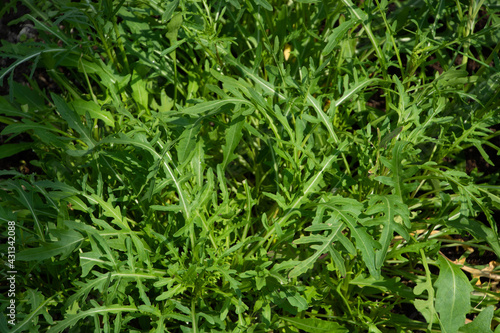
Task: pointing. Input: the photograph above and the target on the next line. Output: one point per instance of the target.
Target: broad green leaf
(482, 323)
(477, 144)
(297, 301)
(452, 296)
(150, 309)
(77, 203)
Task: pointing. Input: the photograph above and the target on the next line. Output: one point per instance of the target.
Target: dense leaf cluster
(227, 166)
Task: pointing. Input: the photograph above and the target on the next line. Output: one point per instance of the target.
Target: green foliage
(227, 166)
(452, 296)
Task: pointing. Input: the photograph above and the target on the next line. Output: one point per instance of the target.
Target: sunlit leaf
(452, 296)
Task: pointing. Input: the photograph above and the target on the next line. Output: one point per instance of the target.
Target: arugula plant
(253, 166)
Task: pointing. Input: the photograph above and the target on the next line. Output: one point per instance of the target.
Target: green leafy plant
(315, 166)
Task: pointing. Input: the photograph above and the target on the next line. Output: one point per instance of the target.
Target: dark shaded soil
(15, 33)
(476, 161)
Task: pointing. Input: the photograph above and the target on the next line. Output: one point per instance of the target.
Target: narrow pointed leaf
(322, 116)
(315, 325)
(73, 119)
(233, 137)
